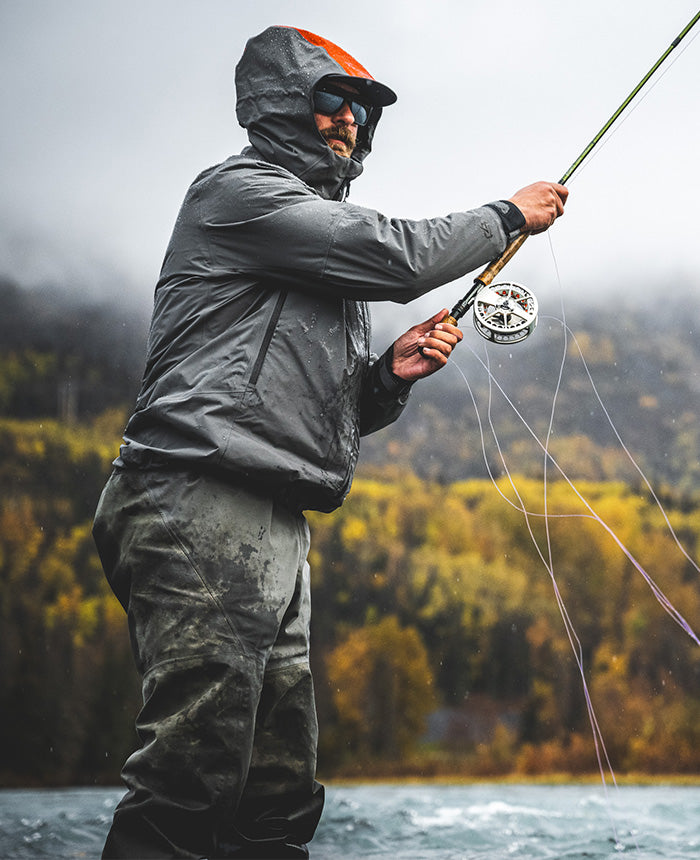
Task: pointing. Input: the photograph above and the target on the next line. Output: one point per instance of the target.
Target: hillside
(631, 374)
(429, 596)
(65, 359)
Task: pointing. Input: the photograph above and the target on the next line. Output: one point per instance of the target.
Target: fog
(110, 110)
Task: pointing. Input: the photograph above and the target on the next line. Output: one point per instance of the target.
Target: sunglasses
(329, 101)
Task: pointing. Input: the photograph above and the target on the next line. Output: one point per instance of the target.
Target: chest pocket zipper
(265, 345)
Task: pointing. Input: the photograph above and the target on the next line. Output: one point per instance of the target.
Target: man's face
(340, 129)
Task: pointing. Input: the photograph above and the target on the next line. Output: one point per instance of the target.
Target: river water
(413, 822)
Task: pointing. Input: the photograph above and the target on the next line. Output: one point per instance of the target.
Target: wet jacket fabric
(259, 363)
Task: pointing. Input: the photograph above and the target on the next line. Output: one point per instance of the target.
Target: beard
(342, 133)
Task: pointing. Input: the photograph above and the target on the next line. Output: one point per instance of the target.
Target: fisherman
(258, 384)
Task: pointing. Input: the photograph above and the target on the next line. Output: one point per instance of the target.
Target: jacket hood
(275, 81)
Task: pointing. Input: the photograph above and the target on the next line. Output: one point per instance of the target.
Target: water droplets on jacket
(259, 366)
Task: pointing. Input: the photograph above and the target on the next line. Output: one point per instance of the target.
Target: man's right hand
(541, 204)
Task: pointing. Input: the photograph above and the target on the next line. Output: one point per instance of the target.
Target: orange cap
(375, 92)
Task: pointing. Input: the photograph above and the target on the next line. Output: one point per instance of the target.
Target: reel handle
(484, 279)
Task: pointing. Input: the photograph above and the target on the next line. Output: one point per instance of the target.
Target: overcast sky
(109, 110)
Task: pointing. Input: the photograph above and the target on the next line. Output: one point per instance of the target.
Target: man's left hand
(424, 348)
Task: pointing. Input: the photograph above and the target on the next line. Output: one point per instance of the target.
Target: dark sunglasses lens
(330, 103)
(359, 112)
(327, 103)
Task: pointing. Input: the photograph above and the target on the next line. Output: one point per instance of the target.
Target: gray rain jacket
(258, 363)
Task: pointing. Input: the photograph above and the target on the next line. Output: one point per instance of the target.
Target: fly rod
(507, 313)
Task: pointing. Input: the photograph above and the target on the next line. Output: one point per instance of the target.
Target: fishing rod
(507, 312)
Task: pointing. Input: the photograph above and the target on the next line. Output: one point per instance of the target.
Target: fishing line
(601, 753)
(548, 562)
(602, 757)
(547, 556)
(658, 593)
(593, 514)
(634, 463)
(507, 314)
(576, 647)
(611, 134)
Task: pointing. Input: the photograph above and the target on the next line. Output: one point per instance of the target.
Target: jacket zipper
(269, 331)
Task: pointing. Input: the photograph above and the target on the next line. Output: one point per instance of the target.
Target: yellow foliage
(609, 663)
(20, 539)
(595, 348)
(382, 687)
(460, 565)
(37, 440)
(354, 529)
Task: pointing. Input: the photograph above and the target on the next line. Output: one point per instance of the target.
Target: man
(258, 383)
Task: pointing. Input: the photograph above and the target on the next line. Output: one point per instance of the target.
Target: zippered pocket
(267, 337)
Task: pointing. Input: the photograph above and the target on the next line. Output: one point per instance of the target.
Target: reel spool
(505, 313)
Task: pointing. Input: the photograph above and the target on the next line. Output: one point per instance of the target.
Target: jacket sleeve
(384, 396)
(268, 223)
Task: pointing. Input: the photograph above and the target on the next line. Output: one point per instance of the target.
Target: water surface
(413, 822)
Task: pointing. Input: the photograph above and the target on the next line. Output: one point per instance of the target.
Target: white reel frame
(505, 313)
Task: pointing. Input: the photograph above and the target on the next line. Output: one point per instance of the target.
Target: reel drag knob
(505, 313)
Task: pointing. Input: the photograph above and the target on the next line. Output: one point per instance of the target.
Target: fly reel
(505, 313)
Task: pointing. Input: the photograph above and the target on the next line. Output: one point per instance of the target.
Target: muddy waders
(215, 582)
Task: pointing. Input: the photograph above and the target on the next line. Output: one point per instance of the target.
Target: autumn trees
(67, 686)
(382, 689)
(427, 598)
(458, 570)
(437, 642)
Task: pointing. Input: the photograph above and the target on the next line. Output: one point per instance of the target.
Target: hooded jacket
(258, 362)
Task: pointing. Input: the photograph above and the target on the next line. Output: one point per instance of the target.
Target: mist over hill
(612, 376)
(623, 374)
(64, 354)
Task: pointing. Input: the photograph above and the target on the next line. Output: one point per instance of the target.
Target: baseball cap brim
(370, 91)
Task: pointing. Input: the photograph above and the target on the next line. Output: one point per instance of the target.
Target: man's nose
(344, 115)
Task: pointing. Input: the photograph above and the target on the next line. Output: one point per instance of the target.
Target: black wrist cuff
(387, 383)
(511, 217)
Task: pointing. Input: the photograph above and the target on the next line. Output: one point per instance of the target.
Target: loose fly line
(508, 314)
(546, 553)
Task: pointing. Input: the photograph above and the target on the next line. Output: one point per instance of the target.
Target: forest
(438, 643)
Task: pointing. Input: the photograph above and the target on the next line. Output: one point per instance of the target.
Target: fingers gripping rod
(490, 272)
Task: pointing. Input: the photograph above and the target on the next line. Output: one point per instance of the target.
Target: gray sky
(109, 110)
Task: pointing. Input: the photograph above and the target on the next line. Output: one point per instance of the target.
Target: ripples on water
(413, 823)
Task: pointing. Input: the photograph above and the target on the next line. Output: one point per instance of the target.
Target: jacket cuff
(386, 384)
(511, 217)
